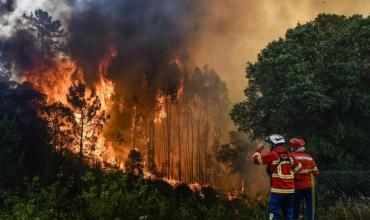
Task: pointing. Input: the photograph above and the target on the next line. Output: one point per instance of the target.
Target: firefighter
(281, 167)
(304, 179)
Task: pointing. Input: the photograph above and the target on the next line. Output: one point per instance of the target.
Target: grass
(347, 209)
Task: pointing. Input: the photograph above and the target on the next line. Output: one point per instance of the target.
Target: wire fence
(334, 185)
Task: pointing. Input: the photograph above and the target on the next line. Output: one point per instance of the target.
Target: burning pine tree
(77, 125)
(88, 118)
(160, 103)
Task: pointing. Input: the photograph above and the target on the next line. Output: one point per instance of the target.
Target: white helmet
(275, 139)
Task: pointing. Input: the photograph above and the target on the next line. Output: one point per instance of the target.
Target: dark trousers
(309, 197)
(283, 202)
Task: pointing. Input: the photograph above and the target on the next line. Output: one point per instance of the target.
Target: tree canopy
(47, 30)
(24, 150)
(314, 83)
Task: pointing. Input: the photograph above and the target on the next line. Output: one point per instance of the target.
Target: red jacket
(305, 177)
(281, 165)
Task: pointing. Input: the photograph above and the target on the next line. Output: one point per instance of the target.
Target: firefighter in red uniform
(304, 179)
(281, 167)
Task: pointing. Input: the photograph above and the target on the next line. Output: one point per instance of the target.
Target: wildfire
(160, 102)
(169, 138)
(105, 87)
(54, 78)
(161, 108)
(105, 91)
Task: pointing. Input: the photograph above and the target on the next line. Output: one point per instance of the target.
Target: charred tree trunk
(164, 152)
(192, 148)
(152, 147)
(205, 153)
(81, 153)
(179, 139)
(81, 136)
(198, 150)
(187, 165)
(168, 120)
(134, 130)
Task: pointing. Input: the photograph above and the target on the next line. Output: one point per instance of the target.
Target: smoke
(159, 41)
(223, 34)
(23, 52)
(6, 6)
(147, 34)
(152, 40)
(12, 10)
(233, 32)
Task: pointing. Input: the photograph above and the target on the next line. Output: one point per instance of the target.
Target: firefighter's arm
(315, 170)
(259, 159)
(297, 166)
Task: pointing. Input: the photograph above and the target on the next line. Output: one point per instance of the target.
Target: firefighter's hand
(260, 146)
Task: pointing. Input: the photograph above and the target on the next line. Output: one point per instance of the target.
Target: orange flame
(54, 78)
(161, 108)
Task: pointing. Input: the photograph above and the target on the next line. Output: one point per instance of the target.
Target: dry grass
(350, 209)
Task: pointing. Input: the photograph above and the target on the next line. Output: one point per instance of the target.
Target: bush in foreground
(115, 195)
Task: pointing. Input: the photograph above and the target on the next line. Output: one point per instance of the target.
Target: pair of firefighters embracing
(292, 172)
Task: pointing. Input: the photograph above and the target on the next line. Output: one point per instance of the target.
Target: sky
(236, 30)
(232, 32)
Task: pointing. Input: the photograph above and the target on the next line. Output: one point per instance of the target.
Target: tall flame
(54, 78)
(173, 135)
(105, 91)
(161, 108)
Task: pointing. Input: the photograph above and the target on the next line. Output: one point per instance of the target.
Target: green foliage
(314, 83)
(115, 195)
(123, 196)
(52, 187)
(39, 202)
(11, 153)
(24, 150)
(236, 155)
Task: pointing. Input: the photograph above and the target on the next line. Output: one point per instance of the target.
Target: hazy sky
(232, 32)
(236, 30)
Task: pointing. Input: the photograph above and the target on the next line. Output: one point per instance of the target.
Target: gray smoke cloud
(150, 34)
(152, 39)
(225, 34)
(6, 6)
(146, 33)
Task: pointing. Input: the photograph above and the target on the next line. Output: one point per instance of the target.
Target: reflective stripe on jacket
(302, 178)
(281, 165)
